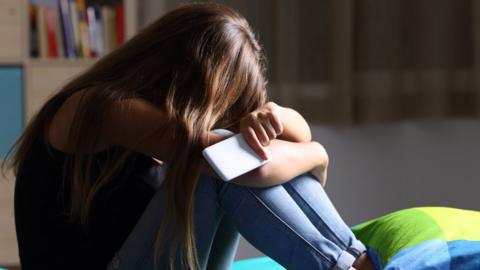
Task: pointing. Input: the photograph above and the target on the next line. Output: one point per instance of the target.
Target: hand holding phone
(262, 126)
(232, 157)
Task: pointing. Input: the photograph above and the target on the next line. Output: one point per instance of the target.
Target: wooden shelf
(46, 62)
(57, 62)
(14, 61)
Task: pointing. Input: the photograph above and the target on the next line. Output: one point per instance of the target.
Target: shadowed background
(390, 87)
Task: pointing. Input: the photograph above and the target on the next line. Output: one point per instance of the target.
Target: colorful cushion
(423, 238)
(416, 238)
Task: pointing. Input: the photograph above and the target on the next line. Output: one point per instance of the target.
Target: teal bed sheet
(262, 263)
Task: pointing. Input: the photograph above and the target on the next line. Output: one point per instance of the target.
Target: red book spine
(51, 35)
(120, 24)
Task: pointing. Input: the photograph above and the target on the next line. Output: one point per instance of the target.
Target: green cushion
(423, 237)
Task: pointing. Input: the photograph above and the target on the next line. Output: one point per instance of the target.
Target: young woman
(110, 171)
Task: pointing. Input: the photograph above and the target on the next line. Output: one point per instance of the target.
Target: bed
(436, 238)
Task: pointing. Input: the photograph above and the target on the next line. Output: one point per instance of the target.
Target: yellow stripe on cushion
(456, 224)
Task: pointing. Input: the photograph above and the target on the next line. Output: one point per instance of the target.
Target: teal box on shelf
(11, 107)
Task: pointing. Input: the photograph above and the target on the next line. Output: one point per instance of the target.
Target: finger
(252, 140)
(276, 123)
(261, 133)
(272, 134)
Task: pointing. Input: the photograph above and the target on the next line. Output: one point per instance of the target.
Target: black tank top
(46, 237)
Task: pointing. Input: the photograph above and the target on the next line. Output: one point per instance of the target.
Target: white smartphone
(232, 157)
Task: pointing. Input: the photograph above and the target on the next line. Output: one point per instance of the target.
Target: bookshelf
(36, 78)
(15, 51)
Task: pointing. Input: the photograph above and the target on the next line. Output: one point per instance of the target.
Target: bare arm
(293, 153)
(139, 125)
(289, 159)
(295, 127)
(133, 123)
(272, 121)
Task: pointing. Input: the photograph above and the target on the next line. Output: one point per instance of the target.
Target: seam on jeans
(216, 187)
(222, 194)
(222, 190)
(337, 266)
(290, 228)
(344, 246)
(355, 252)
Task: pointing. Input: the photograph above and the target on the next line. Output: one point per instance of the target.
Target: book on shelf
(75, 28)
(83, 29)
(94, 31)
(34, 42)
(91, 24)
(99, 35)
(42, 32)
(58, 34)
(120, 24)
(109, 28)
(67, 29)
(51, 26)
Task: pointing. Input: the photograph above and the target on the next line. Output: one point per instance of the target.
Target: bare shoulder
(141, 126)
(57, 133)
(133, 123)
(120, 111)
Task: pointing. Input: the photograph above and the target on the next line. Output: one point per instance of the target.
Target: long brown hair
(202, 65)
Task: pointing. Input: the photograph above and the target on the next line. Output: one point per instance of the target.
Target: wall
(378, 169)
(8, 241)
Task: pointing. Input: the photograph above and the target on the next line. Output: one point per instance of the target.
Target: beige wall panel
(11, 29)
(44, 81)
(8, 241)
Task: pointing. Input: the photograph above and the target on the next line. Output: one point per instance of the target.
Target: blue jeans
(294, 223)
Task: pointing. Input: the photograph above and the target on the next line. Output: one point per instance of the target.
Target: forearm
(289, 159)
(295, 127)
